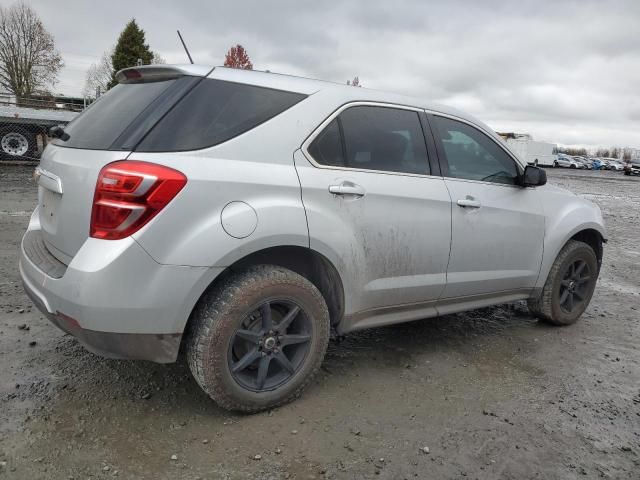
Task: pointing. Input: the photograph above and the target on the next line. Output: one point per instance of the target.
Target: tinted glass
(326, 149)
(213, 112)
(473, 155)
(380, 138)
(102, 123)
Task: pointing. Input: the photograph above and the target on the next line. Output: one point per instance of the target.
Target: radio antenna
(185, 47)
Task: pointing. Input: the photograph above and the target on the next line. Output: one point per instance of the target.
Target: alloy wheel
(575, 285)
(270, 345)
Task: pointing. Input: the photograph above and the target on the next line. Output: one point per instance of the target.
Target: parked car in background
(567, 162)
(632, 167)
(596, 163)
(241, 217)
(606, 162)
(616, 165)
(584, 161)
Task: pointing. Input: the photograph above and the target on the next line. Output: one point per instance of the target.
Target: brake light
(128, 194)
(132, 74)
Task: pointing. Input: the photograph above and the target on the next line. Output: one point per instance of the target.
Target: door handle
(347, 188)
(469, 202)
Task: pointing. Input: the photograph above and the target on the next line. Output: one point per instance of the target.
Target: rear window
(105, 120)
(214, 112)
(187, 113)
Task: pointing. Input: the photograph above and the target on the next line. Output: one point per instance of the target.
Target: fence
(25, 122)
(22, 142)
(47, 102)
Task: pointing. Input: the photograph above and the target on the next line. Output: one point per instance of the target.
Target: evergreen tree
(131, 46)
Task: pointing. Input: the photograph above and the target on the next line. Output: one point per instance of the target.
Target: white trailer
(533, 152)
(24, 124)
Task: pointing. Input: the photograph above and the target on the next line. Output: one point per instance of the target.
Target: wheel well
(594, 239)
(306, 262)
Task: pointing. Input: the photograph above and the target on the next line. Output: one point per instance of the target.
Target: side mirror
(534, 177)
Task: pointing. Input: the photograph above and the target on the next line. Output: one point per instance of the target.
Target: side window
(326, 149)
(473, 155)
(373, 138)
(382, 138)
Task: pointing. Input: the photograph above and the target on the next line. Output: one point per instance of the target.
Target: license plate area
(49, 203)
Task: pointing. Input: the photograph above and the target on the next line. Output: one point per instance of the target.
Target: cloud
(564, 71)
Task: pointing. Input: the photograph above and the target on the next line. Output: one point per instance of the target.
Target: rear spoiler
(158, 73)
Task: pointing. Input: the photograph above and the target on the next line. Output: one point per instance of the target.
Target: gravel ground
(486, 394)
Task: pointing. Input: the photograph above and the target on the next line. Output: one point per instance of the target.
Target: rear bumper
(131, 346)
(115, 299)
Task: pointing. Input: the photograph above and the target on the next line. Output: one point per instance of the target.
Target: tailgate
(66, 185)
(105, 132)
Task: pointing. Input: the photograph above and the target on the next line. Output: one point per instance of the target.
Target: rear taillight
(128, 194)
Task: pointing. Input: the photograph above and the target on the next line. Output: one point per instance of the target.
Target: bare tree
(99, 75)
(355, 82)
(615, 152)
(29, 61)
(158, 59)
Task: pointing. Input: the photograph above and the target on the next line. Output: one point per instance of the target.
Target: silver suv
(242, 217)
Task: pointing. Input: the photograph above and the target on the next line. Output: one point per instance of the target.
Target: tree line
(30, 63)
(613, 152)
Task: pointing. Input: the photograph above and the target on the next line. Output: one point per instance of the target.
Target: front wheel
(257, 339)
(569, 286)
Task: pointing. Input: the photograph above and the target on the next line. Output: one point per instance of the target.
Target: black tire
(572, 166)
(12, 140)
(232, 307)
(555, 164)
(552, 306)
(627, 173)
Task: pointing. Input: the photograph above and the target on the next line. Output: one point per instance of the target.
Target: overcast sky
(565, 71)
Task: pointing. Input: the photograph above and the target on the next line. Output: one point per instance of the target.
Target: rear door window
(386, 139)
(373, 138)
(327, 147)
(214, 112)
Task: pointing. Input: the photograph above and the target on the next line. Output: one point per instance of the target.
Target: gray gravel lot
(491, 393)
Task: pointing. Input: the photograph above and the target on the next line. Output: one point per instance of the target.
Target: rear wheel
(257, 340)
(569, 287)
(555, 164)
